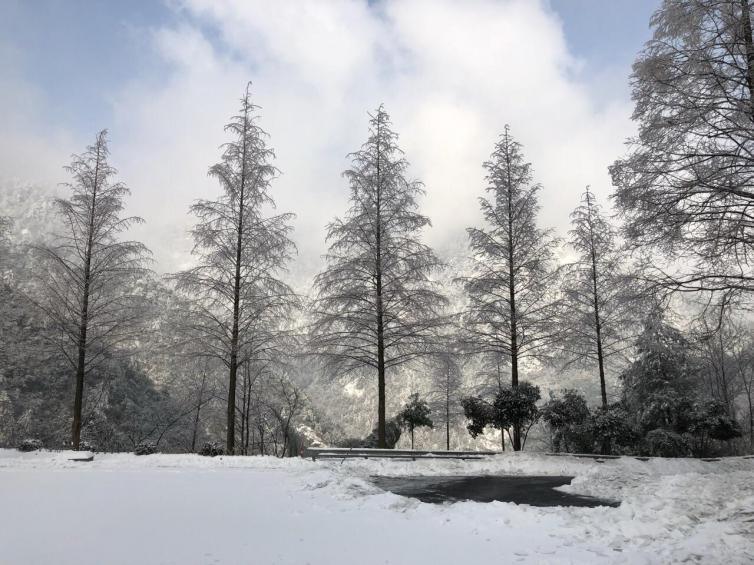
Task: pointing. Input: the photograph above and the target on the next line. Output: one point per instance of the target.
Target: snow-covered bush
(512, 407)
(145, 448)
(665, 443)
(415, 414)
(212, 449)
(87, 446)
(30, 444)
(708, 421)
(569, 421)
(612, 430)
(392, 435)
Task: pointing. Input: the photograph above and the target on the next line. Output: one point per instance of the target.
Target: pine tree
(599, 308)
(662, 376)
(240, 303)
(376, 305)
(89, 290)
(512, 292)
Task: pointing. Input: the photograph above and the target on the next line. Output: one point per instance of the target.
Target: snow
(186, 509)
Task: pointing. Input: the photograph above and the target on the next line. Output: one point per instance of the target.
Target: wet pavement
(532, 490)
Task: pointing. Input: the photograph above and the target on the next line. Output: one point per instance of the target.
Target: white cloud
(450, 73)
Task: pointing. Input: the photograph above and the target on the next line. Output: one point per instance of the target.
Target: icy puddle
(532, 490)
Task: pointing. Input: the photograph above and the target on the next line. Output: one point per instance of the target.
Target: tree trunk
(447, 420)
(231, 428)
(512, 304)
(596, 302)
(749, 46)
(380, 382)
(380, 314)
(244, 413)
(78, 399)
(195, 430)
(412, 438)
(247, 410)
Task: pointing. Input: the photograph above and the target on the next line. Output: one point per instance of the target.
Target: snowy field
(183, 509)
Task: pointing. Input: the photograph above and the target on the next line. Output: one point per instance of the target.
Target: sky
(163, 78)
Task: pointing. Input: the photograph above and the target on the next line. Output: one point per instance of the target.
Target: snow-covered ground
(183, 509)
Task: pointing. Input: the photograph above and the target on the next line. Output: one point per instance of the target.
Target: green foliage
(569, 410)
(392, 435)
(30, 444)
(569, 420)
(707, 421)
(662, 394)
(480, 414)
(145, 448)
(415, 414)
(665, 443)
(612, 430)
(212, 449)
(512, 406)
(658, 384)
(518, 405)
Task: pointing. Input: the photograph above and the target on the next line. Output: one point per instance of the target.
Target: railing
(408, 454)
(414, 454)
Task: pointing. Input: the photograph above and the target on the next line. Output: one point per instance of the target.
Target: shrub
(512, 407)
(707, 421)
(480, 414)
(212, 449)
(613, 431)
(568, 419)
(145, 448)
(415, 414)
(665, 443)
(392, 435)
(87, 446)
(30, 444)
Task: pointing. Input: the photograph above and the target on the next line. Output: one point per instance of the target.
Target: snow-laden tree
(512, 292)
(445, 394)
(5, 225)
(724, 342)
(514, 406)
(662, 375)
(376, 305)
(90, 289)
(685, 186)
(600, 309)
(240, 304)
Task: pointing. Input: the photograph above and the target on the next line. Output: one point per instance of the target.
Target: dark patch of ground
(532, 490)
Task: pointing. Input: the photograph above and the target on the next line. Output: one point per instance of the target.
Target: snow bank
(188, 509)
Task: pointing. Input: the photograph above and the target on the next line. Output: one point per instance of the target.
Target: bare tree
(285, 403)
(376, 305)
(89, 290)
(685, 186)
(512, 292)
(743, 355)
(240, 303)
(600, 309)
(726, 349)
(447, 381)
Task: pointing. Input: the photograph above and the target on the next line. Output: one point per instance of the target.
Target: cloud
(29, 148)
(451, 74)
